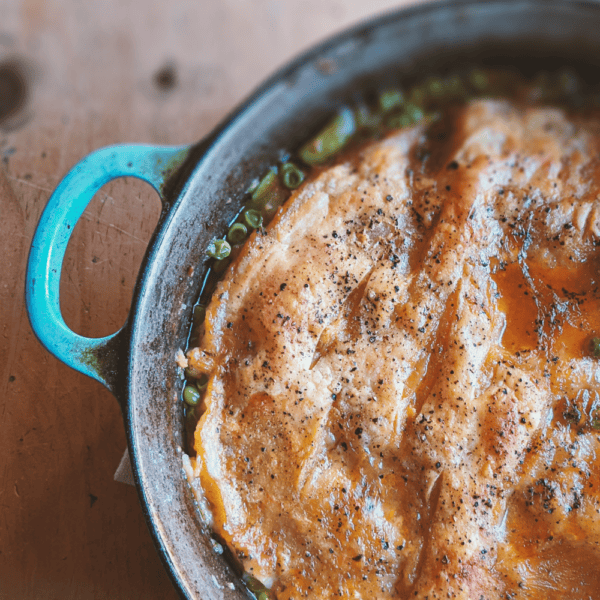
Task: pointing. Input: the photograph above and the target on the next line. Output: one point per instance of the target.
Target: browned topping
(402, 398)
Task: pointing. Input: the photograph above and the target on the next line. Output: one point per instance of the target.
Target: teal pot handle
(98, 358)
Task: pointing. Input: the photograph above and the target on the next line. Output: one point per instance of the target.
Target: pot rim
(180, 186)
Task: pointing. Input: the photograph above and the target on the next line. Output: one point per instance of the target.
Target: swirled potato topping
(403, 397)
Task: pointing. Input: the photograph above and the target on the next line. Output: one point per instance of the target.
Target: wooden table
(75, 76)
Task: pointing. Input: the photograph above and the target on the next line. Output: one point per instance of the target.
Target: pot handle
(98, 358)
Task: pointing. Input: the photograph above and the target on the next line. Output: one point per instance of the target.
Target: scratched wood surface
(75, 76)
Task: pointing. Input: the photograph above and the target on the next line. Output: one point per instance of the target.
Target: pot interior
(280, 116)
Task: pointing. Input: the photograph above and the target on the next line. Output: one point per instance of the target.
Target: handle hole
(104, 256)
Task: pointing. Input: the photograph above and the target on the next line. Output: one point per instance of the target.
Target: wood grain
(100, 73)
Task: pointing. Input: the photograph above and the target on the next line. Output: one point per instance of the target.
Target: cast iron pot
(137, 364)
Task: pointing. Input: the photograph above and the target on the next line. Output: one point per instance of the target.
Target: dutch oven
(137, 364)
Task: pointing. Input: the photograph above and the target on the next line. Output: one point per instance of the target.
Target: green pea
(264, 595)
(253, 584)
(191, 395)
(595, 347)
(237, 233)
(291, 175)
(390, 99)
(219, 249)
(332, 138)
(595, 420)
(202, 382)
(252, 218)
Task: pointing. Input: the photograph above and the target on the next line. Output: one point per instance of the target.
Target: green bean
(219, 249)
(595, 347)
(595, 419)
(330, 139)
(253, 185)
(269, 195)
(237, 233)
(191, 395)
(263, 595)
(265, 185)
(252, 218)
(390, 99)
(291, 175)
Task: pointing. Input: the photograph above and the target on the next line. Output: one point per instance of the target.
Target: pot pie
(402, 392)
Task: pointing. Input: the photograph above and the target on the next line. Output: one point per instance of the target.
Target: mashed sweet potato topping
(403, 398)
